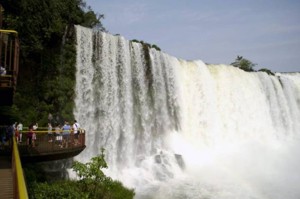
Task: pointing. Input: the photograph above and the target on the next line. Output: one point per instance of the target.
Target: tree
(46, 77)
(93, 183)
(91, 171)
(96, 183)
(243, 64)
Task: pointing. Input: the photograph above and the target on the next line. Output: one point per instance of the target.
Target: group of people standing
(62, 134)
(59, 134)
(8, 132)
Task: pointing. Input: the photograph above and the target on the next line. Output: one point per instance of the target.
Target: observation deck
(47, 147)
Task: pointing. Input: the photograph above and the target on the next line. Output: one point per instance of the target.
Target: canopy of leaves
(243, 64)
(47, 54)
(147, 44)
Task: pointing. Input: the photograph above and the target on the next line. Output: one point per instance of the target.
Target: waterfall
(185, 129)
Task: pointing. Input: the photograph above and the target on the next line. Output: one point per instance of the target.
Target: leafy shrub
(93, 183)
(62, 189)
(96, 184)
(266, 71)
(243, 64)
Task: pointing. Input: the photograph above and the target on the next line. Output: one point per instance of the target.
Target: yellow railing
(9, 31)
(20, 189)
(46, 145)
(44, 130)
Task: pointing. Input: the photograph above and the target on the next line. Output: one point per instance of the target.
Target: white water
(235, 134)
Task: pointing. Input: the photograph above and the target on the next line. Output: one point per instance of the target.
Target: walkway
(6, 178)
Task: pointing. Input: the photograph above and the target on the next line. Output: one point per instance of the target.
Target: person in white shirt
(76, 128)
(2, 71)
(34, 127)
(20, 129)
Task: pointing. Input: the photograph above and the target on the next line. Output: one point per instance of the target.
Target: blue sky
(267, 32)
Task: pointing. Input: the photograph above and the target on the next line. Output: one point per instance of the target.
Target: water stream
(184, 129)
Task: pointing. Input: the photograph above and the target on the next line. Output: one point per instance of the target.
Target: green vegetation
(8, 115)
(267, 71)
(47, 55)
(92, 184)
(248, 66)
(243, 64)
(147, 44)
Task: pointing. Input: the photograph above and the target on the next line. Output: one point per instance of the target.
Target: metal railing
(53, 145)
(20, 189)
(47, 146)
(51, 141)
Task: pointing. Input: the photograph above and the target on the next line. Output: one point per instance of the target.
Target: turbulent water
(184, 129)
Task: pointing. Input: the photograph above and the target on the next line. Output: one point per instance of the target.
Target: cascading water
(184, 129)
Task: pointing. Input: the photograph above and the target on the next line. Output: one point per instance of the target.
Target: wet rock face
(157, 159)
(180, 161)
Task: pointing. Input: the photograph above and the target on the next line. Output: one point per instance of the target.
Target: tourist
(50, 132)
(9, 134)
(66, 133)
(29, 136)
(34, 128)
(58, 136)
(20, 129)
(2, 135)
(76, 127)
(17, 134)
(2, 71)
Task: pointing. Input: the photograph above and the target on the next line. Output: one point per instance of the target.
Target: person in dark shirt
(2, 135)
(29, 135)
(9, 134)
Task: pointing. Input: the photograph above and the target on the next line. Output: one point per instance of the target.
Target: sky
(266, 32)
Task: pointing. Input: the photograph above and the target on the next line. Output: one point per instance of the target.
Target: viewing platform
(47, 147)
